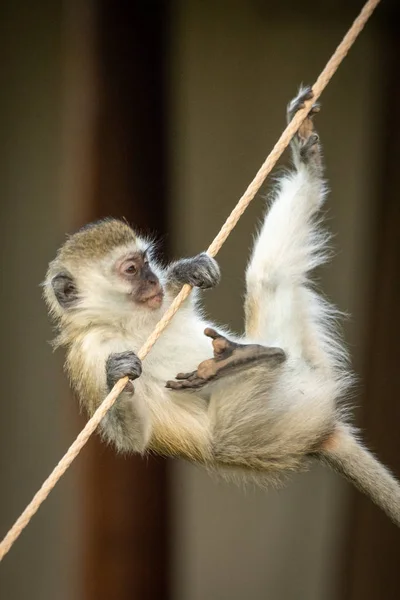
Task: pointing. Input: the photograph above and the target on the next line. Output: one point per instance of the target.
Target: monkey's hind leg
(230, 358)
(288, 247)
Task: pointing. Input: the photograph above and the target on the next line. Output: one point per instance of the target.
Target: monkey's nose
(155, 285)
(148, 275)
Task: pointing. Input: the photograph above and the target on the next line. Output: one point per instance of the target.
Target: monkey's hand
(230, 358)
(201, 271)
(122, 364)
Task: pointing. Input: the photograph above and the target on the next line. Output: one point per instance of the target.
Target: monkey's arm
(230, 358)
(200, 271)
(94, 366)
(127, 423)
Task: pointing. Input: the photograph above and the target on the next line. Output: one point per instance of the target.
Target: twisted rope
(73, 451)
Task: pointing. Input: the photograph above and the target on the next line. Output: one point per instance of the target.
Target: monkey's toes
(186, 384)
(297, 103)
(308, 142)
(314, 109)
(186, 375)
(221, 345)
(211, 333)
(174, 385)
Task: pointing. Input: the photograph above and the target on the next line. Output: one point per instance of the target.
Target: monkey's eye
(131, 269)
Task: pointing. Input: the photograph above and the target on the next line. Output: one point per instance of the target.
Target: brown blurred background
(162, 112)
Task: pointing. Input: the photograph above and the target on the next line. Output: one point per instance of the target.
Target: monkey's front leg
(127, 423)
(230, 358)
(200, 271)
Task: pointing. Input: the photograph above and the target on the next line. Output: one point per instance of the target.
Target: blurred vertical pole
(126, 510)
(372, 569)
(36, 422)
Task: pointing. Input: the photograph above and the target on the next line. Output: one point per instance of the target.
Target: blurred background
(162, 112)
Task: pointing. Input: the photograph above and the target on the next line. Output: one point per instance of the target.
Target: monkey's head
(102, 270)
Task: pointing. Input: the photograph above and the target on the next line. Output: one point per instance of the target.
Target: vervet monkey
(263, 405)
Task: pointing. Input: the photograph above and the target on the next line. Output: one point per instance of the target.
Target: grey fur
(122, 364)
(65, 289)
(124, 423)
(200, 271)
(305, 93)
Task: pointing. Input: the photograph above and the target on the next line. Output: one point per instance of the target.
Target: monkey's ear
(64, 289)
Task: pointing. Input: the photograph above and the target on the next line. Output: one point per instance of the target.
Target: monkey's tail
(346, 455)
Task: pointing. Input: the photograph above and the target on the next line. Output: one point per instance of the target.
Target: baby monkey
(260, 406)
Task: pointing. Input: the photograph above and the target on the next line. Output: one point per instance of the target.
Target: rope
(73, 451)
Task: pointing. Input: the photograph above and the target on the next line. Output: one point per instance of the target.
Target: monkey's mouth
(155, 301)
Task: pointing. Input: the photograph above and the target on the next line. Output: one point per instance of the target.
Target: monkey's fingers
(186, 384)
(211, 333)
(186, 375)
(314, 109)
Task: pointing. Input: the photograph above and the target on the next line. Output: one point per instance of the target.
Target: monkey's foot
(230, 358)
(306, 139)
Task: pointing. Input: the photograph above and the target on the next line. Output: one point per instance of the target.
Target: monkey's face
(102, 272)
(138, 280)
(111, 286)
